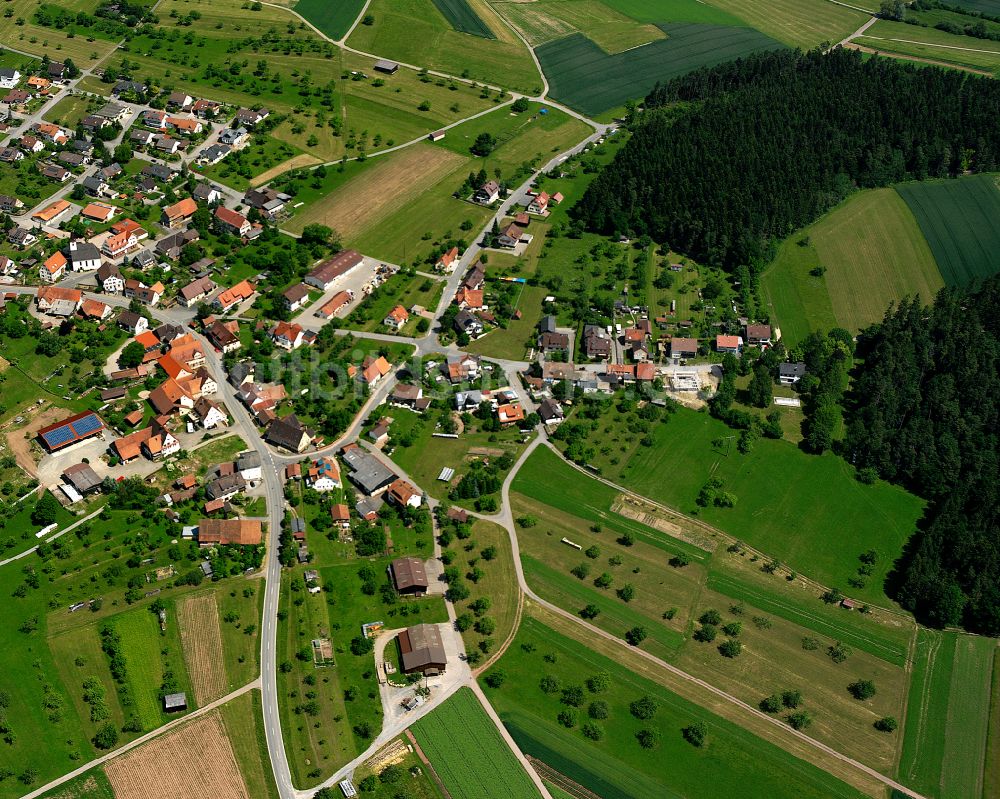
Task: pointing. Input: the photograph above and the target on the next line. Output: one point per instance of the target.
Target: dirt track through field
(192, 762)
(202, 643)
(367, 199)
(285, 166)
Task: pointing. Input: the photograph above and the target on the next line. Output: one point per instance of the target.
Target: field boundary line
(931, 44)
(510, 638)
(427, 763)
(714, 532)
(149, 736)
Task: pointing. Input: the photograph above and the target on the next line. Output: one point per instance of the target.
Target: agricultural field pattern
(499, 399)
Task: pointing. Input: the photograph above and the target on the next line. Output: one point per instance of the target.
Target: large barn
(422, 650)
(71, 431)
(409, 576)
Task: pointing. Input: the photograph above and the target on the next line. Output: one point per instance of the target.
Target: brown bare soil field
(202, 644)
(19, 440)
(191, 762)
(367, 199)
(285, 166)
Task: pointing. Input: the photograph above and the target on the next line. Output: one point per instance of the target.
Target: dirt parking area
(20, 438)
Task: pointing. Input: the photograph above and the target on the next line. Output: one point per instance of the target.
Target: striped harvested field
(202, 644)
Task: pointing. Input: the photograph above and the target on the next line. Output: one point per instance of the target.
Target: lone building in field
(422, 650)
(173, 703)
(409, 576)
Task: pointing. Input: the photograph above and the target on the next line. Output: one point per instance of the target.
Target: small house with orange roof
(180, 212)
(229, 298)
(51, 213)
(730, 344)
(99, 212)
(95, 309)
(511, 413)
(396, 318)
(287, 335)
(448, 260)
(539, 204)
(374, 369)
(53, 268)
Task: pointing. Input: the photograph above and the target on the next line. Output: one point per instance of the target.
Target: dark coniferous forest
(727, 160)
(925, 412)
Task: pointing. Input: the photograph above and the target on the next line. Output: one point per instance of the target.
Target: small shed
(436, 135)
(173, 703)
(388, 67)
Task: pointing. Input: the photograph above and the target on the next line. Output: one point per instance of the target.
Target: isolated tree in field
(483, 145)
(695, 733)
(549, 684)
(886, 724)
(599, 683)
(800, 720)
(107, 737)
(590, 612)
(496, 678)
(771, 704)
(712, 617)
(706, 633)
(839, 652)
(648, 739)
(593, 731)
(862, 689)
(520, 105)
(644, 708)
(636, 635)
(45, 510)
(626, 593)
(603, 581)
(572, 696)
(730, 648)
(791, 699)
(567, 717)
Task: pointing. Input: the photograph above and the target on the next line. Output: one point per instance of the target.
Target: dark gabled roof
(792, 369)
(286, 432)
(409, 573)
(421, 648)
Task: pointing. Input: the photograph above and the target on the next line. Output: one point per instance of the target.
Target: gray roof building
(366, 471)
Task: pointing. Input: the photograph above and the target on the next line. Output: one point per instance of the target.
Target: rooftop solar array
(70, 430)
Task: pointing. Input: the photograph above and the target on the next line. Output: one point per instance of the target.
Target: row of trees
(764, 145)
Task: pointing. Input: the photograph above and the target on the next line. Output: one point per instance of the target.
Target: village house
(295, 297)
(83, 256)
(366, 471)
(550, 411)
(58, 301)
(269, 202)
(539, 204)
(549, 343)
(180, 212)
(155, 442)
(109, 279)
(287, 336)
(406, 395)
(728, 344)
(9, 78)
(791, 373)
(448, 260)
(206, 193)
(288, 433)
(56, 173)
(236, 138)
(758, 335)
(374, 369)
(225, 335)
(511, 236)
(184, 125)
(53, 268)
(396, 318)
(511, 413)
(214, 154)
(468, 323)
(132, 322)
(231, 222)
(323, 475)
(251, 117)
(487, 194)
(229, 298)
(683, 347)
(22, 238)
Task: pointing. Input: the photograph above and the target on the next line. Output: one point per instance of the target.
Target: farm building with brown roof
(422, 650)
(409, 576)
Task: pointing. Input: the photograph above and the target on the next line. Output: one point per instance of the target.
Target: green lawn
(898, 37)
(70, 110)
(585, 77)
(241, 652)
(873, 253)
(773, 485)
(142, 644)
(958, 217)
(732, 761)
(947, 714)
(416, 32)
(242, 719)
(332, 18)
(240, 167)
(797, 23)
(468, 753)
(424, 459)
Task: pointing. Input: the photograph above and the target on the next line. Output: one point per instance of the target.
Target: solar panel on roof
(86, 425)
(59, 436)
